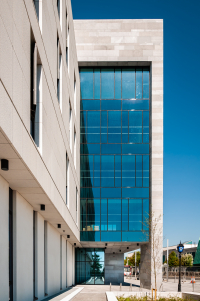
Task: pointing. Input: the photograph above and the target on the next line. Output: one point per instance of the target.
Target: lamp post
(180, 249)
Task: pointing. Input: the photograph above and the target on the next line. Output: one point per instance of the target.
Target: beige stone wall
(127, 43)
(39, 174)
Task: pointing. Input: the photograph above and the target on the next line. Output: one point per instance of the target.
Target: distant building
(197, 255)
(189, 248)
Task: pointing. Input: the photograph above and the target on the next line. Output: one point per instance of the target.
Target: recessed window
(67, 41)
(59, 73)
(74, 92)
(76, 205)
(67, 178)
(70, 125)
(36, 95)
(74, 147)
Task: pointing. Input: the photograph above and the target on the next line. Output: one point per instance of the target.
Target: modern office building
(81, 147)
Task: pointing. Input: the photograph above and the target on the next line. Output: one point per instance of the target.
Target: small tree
(125, 261)
(131, 260)
(152, 230)
(173, 260)
(187, 260)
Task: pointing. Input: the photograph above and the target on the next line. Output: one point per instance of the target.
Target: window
(75, 147)
(36, 96)
(70, 125)
(59, 74)
(76, 205)
(74, 92)
(38, 9)
(67, 178)
(115, 152)
(67, 37)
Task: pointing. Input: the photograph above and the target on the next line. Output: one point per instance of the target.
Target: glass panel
(139, 83)
(90, 104)
(145, 83)
(145, 127)
(107, 171)
(90, 149)
(89, 252)
(135, 104)
(96, 83)
(104, 215)
(124, 214)
(111, 192)
(93, 126)
(110, 236)
(81, 273)
(128, 83)
(107, 83)
(93, 215)
(118, 84)
(90, 235)
(114, 127)
(83, 225)
(135, 215)
(90, 275)
(90, 192)
(128, 171)
(146, 214)
(114, 215)
(86, 79)
(86, 171)
(118, 173)
(133, 236)
(99, 254)
(80, 254)
(104, 127)
(111, 148)
(135, 127)
(110, 104)
(138, 171)
(97, 171)
(135, 148)
(125, 127)
(135, 192)
(145, 171)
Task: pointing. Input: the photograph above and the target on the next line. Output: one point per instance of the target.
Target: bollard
(110, 286)
(193, 286)
(130, 287)
(120, 286)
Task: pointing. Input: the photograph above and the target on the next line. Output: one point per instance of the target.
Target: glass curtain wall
(89, 266)
(115, 151)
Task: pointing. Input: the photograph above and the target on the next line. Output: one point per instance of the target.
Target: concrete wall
(114, 268)
(4, 243)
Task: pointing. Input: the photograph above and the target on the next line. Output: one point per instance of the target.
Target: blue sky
(181, 102)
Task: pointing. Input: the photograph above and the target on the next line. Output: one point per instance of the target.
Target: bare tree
(152, 230)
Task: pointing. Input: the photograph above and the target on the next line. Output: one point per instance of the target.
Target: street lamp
(180, 249)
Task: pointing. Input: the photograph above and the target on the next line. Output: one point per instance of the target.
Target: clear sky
(181, 102)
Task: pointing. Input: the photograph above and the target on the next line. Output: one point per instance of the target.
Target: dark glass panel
(146, 127)
(86, 82)
(118, 173)
(104, 127)
(114, 215)
(104, 215)
(110, 236)
(125, 214)
(125, 127)
(135, 127)
(135, 192)
(107, 83)
(90, 149)
(107, 171)
(111, 148)
(133, 236)
(80, 254)
(111, 192)
(145, 171)
(93, 215)
(138, 171)
(145, 83)
(86, 170)
(118, 83)
(128, 83)
(87, 104)
(97, 167)
(96, 83)
(135, 104)
(83, 206)
(128, 171)
(90, 192)
(139, 83)
(80, 273)
(83, 225)
(90, 235)
(93, 125)
(89, 254)
(110, 104)
(135, 148)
